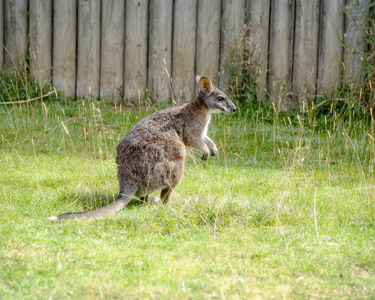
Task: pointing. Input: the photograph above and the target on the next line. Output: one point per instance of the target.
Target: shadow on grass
(92, 199)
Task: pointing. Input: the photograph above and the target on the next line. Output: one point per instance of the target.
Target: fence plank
(16, 30)
(88, 62)
(160, 52)
(108, 47)
(258, 21)
(354, 38)
(184, 37)
(281, 51)
(40, 28)
(1, 34)
(64, 46)
(135, 77)
(330, 48)
(306, 46)
(208, 39)
(232, 21)
(112, 51)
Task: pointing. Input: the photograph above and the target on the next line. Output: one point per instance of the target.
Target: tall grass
(286, 210)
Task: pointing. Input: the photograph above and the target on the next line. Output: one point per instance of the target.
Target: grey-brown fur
(152, 155)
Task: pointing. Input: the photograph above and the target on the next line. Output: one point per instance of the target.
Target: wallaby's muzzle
(232, 109)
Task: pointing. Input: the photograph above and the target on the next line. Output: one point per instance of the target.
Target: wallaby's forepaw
(204, 156)
(214, 152)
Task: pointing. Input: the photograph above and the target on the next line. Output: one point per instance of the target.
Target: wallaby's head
(216, 100)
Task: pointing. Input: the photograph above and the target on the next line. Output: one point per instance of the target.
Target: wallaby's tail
(113, 207)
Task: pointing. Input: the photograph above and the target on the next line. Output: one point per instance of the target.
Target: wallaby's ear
(198, 78)
(205, 84)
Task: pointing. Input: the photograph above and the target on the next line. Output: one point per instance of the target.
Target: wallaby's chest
(208, 119)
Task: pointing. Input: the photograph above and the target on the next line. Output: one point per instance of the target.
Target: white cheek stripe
(217, 110)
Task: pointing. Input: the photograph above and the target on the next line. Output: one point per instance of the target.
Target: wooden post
(64, 46)
(305, 62)
(1, 34)
(88, 62)
(354, 39)
(112, 53)
(281, 51)
(184, 37)
(330, 48)
(40, 27)
(135, 74)
(208, 39)
(160, 52)
(233, 18)
(258, 21)
(15, 33)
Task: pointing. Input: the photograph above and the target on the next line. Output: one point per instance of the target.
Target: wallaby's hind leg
(166, 195)
(145, 199)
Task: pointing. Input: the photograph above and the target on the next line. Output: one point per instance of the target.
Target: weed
(19, 86)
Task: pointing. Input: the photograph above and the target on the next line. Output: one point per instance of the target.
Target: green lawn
(284, 211)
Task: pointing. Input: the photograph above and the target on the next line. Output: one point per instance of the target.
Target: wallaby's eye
(220, 98)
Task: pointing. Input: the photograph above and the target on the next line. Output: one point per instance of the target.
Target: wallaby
(152, 155)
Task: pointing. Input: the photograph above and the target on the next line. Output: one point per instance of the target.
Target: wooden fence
(121, 48)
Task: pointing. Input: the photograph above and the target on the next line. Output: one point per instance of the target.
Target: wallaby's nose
(233, 109)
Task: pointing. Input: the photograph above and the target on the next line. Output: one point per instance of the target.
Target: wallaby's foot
(204, 156)
(214, 152)
(154, 200)
(148, 200)
(53, 219)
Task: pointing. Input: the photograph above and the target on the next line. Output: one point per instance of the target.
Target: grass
(286, 210)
